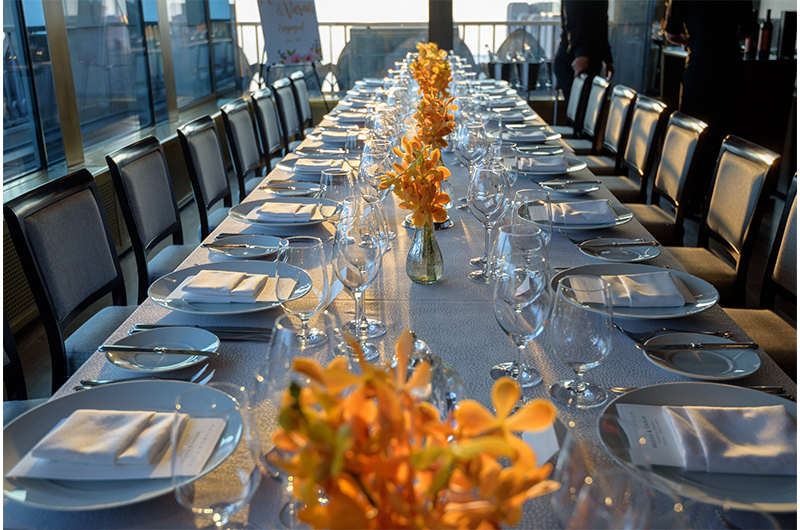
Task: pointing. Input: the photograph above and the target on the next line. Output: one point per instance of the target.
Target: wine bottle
(765, 38)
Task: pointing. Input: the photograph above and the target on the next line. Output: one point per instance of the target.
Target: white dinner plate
(291, 188)
(705, 295)
(622, 216)
(570, 187)
(308, 174)
(175, 337)
(573, 165)
(771, 493)
(595, 249)
(248, 253)
(711, 365)
(161, 289)
(73, 495)
(240, 211)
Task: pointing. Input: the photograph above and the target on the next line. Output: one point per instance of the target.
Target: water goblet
(522, 304)
(336, 186)
(471, 144)
(308, 254)
(581, 336)
(228, 487)
(532, 206)
(511, 238)
(488, 197)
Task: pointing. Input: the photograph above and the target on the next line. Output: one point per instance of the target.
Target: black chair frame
(596, 133)
(619, 150)
(263, 130)
(279, 88)
(16, 212)
(297, 78)
(141, 249)
(13, 376)
(770, 289)
(228, 110)
(652, 153)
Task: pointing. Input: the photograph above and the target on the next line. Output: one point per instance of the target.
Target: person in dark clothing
(584, 47)
(710, 31)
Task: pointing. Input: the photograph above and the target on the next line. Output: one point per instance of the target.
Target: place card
(651, 440)
(544, 444)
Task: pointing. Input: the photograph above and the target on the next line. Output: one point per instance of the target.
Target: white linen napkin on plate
(283, 212)
(152, 442)
(316, 165)
(647, 289)
(248, 290)
(521, 135)
(93, 436)
(350, 117)
(542, 164)
(219, 283)
(336, 138)
(749, 440)
(582, 212)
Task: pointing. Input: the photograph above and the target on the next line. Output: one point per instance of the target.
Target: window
(189, 34)
(222, 37)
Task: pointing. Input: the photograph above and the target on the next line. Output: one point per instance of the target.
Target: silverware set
(778, 391)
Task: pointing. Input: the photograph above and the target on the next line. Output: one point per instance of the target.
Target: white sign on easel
(291, 32)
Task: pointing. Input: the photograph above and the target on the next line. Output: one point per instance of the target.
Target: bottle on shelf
(765, 38)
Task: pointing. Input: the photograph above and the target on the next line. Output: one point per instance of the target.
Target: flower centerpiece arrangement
(366, 452)
(418, 176)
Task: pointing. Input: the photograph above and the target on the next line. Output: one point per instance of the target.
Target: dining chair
(744, 177)
(773, 326)
(300, 90)
(287, 110)
(593, 121)
(269, 127)
(205, 163)
(664, 216)
(641, 150)
(61, 235)
(144, 188)
(16, 402)
(576, 108)
(240, 131)
(615, 135)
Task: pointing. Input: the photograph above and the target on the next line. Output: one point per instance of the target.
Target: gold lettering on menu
(289, 8)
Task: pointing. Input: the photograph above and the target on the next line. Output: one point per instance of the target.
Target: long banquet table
(454, 317)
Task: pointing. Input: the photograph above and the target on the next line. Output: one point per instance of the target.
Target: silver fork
(644, 336)
(200, 378)
(580, 242)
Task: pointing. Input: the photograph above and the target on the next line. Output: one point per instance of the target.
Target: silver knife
(567, 182)
(224, 333)
(157, 350)
(238, 245)
(598, 243)
(700, 346)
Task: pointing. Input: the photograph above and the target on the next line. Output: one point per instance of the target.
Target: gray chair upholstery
(240, 131)
(300, 89)
(664, 216)
(744, 177)
(144, 188)
(205, 162)
(647, 125)
(615, 133)
(593, 120)
(287, 110)
(269, 128)
(576, 108)
(65, 247)
(776, 332)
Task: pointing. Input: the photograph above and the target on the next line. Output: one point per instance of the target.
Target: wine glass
(357, 252)
(522, 304)
(306, 253)
(228, 487)
(336, 186)
(471, 144)
(510, 238)
(498, 153)
(613, 499)
(580, 336)
(488, 194)
(533, 206)
(353, 145)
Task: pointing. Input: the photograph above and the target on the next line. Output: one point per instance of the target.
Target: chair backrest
(618, 123)
(781, 276)
(269, 127)
(743, 179)
(241, 133)
(13, 376)
(300, 88)
(647, 125)
(576, 106)
(287, 109)
(205, 162)
(596, 109)
(144, 188)
(65, 247)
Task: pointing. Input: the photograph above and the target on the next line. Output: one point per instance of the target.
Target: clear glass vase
(424, 263)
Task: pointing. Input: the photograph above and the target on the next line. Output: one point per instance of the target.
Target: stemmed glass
(533, 206)
(306, 253)
(522, 304)
(357, 252)
(471, 144)
(228, 487)
(580, 336)
(488, 197)
(336, 186)
(511, 238)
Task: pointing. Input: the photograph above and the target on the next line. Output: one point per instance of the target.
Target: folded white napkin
(493, 90)
(351, 117)
(283, 212)
(582, 212)
(255, 288)
(749, 440)
(219, 283)
(514, 116)
(152, 442)
(246, 290)
(542, 164)
(500, 102)
(93, 436)
(650, 289)
(316, 165)
(336, 138)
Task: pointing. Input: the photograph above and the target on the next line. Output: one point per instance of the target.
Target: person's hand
(609, 70)
(580, 65)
